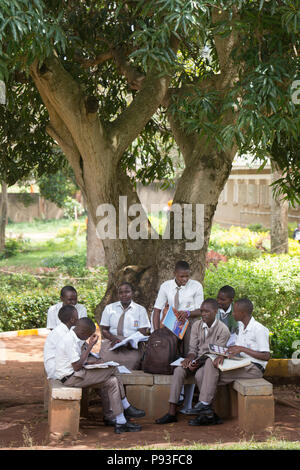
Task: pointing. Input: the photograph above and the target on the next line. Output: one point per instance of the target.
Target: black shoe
(109, 422)
(133, 412)
(127, 427)
(167, 418)
(199, 408)
(205, 419)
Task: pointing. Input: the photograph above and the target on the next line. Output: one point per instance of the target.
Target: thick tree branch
(225, 46)
(126, 128)
(125, 67)
(66, 102)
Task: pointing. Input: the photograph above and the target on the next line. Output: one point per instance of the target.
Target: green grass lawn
(45, 240)
(270, 444)
(39, 225)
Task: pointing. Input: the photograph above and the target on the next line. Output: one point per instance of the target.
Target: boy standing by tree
(186, 296)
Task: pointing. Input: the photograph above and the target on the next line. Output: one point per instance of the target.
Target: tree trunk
(95, 252)
(94, 151)
(279, 220)
(3, 212)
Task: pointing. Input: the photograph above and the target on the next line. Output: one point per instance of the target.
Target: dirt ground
(23, 421)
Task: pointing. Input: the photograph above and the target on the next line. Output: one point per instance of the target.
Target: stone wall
(27, 207)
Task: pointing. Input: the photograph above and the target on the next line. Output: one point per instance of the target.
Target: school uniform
(50, 346)
(52, 315)
(122, 323)
(233, 326)
(189, 297)
(201, 337)
(69, 351)
(256, 337)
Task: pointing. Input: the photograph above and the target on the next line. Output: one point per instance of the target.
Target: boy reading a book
(70, 370)
(252, 342)
(119, 320)
(208, 330)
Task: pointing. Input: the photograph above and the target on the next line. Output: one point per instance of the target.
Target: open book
(170, 321)
(102, 365)
(218, 350)
(133, 340)
(230, 364)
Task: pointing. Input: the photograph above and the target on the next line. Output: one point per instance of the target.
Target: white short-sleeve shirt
(255, 336)
(52, 316)
(68, 351)
(190, 295)
(50, 346)
(136, 317)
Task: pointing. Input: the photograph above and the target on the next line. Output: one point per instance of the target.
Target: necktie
(120, 327)
(176, 298)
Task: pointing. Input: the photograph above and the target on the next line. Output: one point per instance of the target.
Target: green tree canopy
(121, 79)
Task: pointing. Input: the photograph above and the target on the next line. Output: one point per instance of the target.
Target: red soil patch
(23, 421)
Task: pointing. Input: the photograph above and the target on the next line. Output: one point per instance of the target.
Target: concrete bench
(249, 400)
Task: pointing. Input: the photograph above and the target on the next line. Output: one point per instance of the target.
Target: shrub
(257, 228)
(294, 247)
(14, 246)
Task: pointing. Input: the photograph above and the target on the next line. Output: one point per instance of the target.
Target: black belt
(259, 366)
(66, 378)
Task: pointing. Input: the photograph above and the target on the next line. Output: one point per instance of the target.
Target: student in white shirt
(68, 317)
(225, 301)
(119, 320)
(252, 342)
(70, 361)
(186, 295)
(68, 296)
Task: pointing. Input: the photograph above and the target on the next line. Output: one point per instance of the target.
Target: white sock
(204, 403)
(188, 396)
(125, 403)
(120, 419)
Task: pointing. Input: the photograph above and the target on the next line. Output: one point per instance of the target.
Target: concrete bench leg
(64, 416)
(46, 392)
(84, 404)
(153, 399)
(221, 403)
(255, 412)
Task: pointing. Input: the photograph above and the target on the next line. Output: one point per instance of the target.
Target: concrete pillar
(255, 412)
(63, 416)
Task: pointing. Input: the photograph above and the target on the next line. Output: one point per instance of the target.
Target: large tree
(125, 77)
